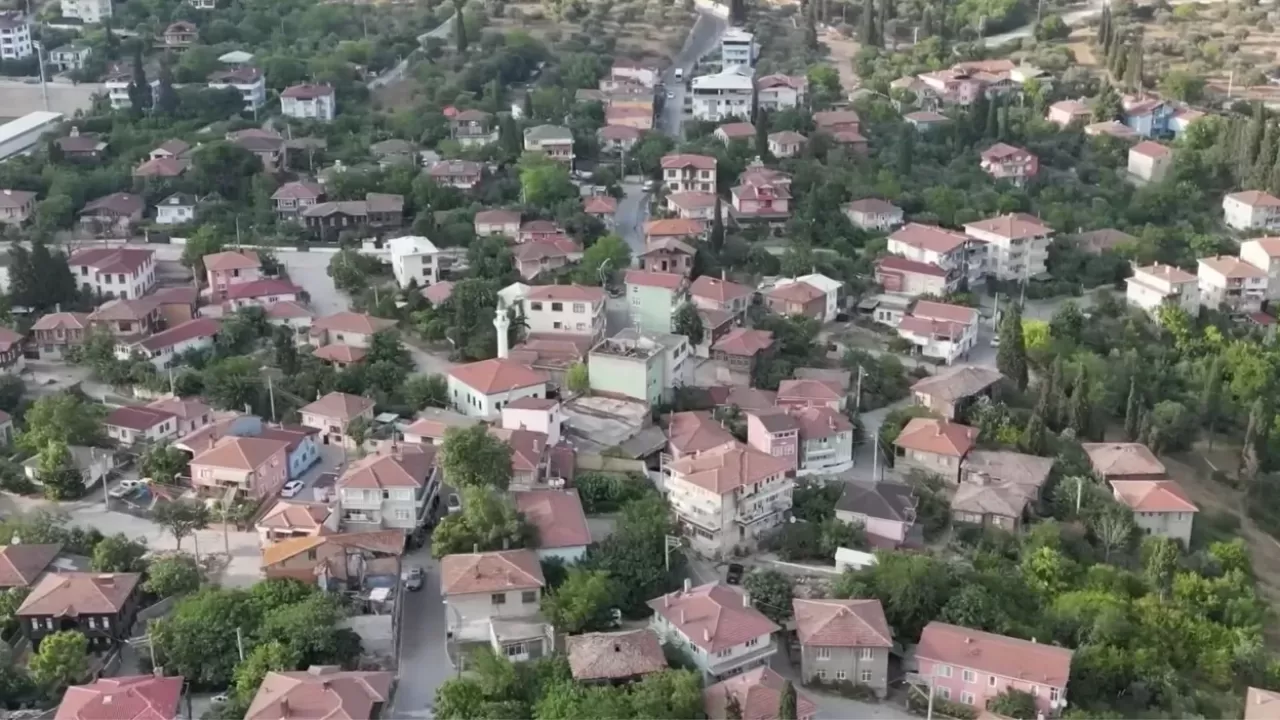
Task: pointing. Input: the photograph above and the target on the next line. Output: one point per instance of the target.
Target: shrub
(606, 492)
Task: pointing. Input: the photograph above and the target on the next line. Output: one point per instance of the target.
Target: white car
(291, 488)
(453, 504)
(671, 95)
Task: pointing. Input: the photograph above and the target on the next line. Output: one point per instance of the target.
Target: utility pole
(671, 541)
(44, 85)
(1079, 493)
(857, 398)
(240, 643)
(271, 393)
(875, 457)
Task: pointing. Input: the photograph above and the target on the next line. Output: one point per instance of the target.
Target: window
(403, 515)
(969, 676)
(944, 693)
(942, 670)
(311, 554)
(1054, 694)
(864, 676)
(557, 307)
(753, 642)
(724, 653)
(529, 597)
(824, 653)
(579, 308)
(865, 653)
(966, 698)
(991, 681)
(514, 650)
(842, 675)
(822, 674)
(498, 598)
(1035, 691)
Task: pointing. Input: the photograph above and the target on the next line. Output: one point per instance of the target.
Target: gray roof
(542, 133)
(1012, 467)
(840, 377)
(1004, 499)
(958, 383)
(886, 501)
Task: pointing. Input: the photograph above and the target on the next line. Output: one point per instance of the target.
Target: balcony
(359, 502)
(746, 516)
(721, 666)
(698, 516)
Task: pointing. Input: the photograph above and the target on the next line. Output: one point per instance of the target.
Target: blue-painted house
(1149, 117)
(303, 449)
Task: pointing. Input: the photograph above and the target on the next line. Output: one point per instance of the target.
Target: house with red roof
(615, 656)
(130, 697)
(618, 138)
(333, 413)
(941, 331)
(494, 598)
(719, 293)
(728, 497)
(348, 328)
(1226, 281)
(255, 467)
(481, 389)
(683, 172)
(1139, 481)
(1251, 210)
(542, 415)
(601, 207)
(323, 692)
(1006, 162)
(473, 128)
(903, 276)
(12, 361)
(498, 222)
(935, 446)
(756, 694)
(741, 348)
(164, 348)
(1149, 161)
(844, 641)
(971, 667)
(781, 92)
(127, 273)
(101, 606)
(230, 267)
(289, 519)
(797, 298)
(944, 249)
(260, 293)
(873, 214)
(393, 488)
(560, 520)
(295, 196)
(137, 424)
(810, 439)
(309, 101)
(565, 310)
(722, 632)
(692, 432)
(668, 255)
(693, 205)
(1016, 244)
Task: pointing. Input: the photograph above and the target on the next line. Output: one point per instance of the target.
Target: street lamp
(671, 543)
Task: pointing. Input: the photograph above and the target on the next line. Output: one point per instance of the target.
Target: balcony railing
(720, 666)
(359, 502)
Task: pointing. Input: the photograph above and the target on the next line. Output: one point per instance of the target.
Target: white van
(679, 73)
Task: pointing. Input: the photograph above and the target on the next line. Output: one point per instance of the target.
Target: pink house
(760, 197)
(1006, 162)
(774, 432)
(257, 467)
(972, 667)
(233, 267)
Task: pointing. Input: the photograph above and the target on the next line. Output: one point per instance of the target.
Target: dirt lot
(652, 34)
(843, 51)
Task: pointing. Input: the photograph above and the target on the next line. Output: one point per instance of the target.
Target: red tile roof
(842, 623)
(721, 291)
(599, 205)
(1120, 460)
(758, 694)
(695, 431)
(797, 292)
(339, 405)
(497, 217)
(1013, 226)
(993, 654)
(131, 697)
(1151, 149)
(327, 693)
(112, 260)
(262, 288)
(835, 118)
(941, 437)
(557, 514)
(901, 264)
(929, 237)
(945, 312)
(162, 167)
(340, 353)
(352, 322)
(567, 293)
(1160, 496)
(737, 130)
(620, 132)
(616, 655)
(713, 616)
(1232, 268)
(189, 330)
(439, 292)
(1256, 198)
(682, 160)
(670, 281)
(692, 200)
(1261, 704)
(1002, 151)
(489, 572)
(20, 565)
(679, 227)
(744, 341)
(296, 515)
(725, 469)
(240, 453)
(497, 375)
(527, 447)
(286, 310)
(138, 418)
(810, 390)
(63, 320)
(232, 260)
(401, 465)
(9, 339)
(71, 594)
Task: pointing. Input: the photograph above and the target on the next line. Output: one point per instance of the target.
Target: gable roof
(957, 383)
(240, 453)
(842, 623)
(884, 501)
(262, 288)
(758, 694)
(352, 322)
(1255, 198)
(797, 292)
(941, 437)
(1012, 226)
(929, 237)
(995, 654)
(679, 227)
(1122, 459)
(340, 353)
(724, 469)
(70, 594)
(399, 465)
(1261, 704)
(62, 320)
(557, 514)
(137, 417)
(320, 692)
(495, 571)
(112, 260)
(339, 405)
(1007, 499)
(497, 375)
(713, 616)
(695, 431)
(645, 278)
(296, 514)
(189, 330)
(744, 341)
(1160, 496)
(384, 542)
(615, 655)
(20, 565)
(131, 697)
(809, 389)
(1232, 267)
(717, 289)
(682, 160)
(1012, 467)
(233, 259)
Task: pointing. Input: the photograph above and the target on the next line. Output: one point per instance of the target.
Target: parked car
(291, 488)
(734, 574)
(413, 578)
(125, 488)
(455, 503)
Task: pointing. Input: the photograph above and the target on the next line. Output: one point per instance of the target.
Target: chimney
(746, 599)
(666, 600)
(75, 131)
(968, 640)
(688, 584)
(706, 635)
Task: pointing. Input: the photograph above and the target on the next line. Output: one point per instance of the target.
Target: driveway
(424, 663)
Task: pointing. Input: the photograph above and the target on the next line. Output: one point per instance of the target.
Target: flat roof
(31, 121)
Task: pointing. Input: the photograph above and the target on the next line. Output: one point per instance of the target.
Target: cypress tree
(1132, 412)
(459, 28)
(1048, 405)
(1032, 441)
(139, 88)
(1080, 412)
(1133, 69)
(1011, 359)
(717, 228)
(978, 114)
(1211, 395)
(906, 149)
(1261, 172)
(885, 16)
(527, 106)
(867, 33)
(166, 98)
(787, 702)
(762, 135)
(926, 23)
(1104, 28)
(992, 126)
(1254, 437)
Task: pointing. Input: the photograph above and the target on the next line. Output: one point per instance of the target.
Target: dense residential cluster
(472, 362)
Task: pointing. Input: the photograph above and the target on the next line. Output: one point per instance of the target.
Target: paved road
(442, 32)
(1075, 17)
(424, 664)
(703, 36)
(633, 211)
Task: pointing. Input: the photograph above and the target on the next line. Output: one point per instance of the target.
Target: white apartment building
(565, 310)
(1231, 282)
(89, 11)
(554, 140)
(1251, 210)
(127, 273)
(1017, 245)
(481, 389)
(717, 628)
(391, 489)
(728, 498)
(15, 37)
(957, 255)
(687, 172)
(117, 87)
(309, 102)
(647, 366)
(726, 94)
(247, 80)
(1155, 285)
(737, 47)
(413, 257)
(939, 330)
(1264, 253)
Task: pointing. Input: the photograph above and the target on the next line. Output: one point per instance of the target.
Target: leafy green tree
(635, 554)
(459, 28)
(57, 472)
(912, 588)
(423, 391)
(118, 554)
(62, 660)
(268, 657)
(41, 278)
(577, 378)
(582, 603)
(224, 168)
(770, 593)
(62, 417)
(1011, 358)
(488, 521)
(310, 628)
(471, 457)
(1034, 438)
(10, 600)
(544, 182)
(606, 256)
(687, 322)
(181, 518)
(173, 574)
(235, 383)
(1080, 411)
(1160, 563)
(1255, 436)
(163, 463)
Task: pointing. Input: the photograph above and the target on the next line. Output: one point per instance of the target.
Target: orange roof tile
(1159, 496)
(488, 572)
(616, 655)
(941, 437)
(842, 623)
(758, 695)
(320, 692)
(339, 405)
(497, 375)
(994, 654)
(713, 616)
(724, 469)
(71, 594)
(131, 697)
(557, 514)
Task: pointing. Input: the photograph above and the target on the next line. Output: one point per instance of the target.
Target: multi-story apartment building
(1017, 245)
(844, 641)
(1159, 284)
(414, 257)
(126, 273)
(737, 47)
(256, 467)
(686, 172)
(640, 365)
(940, 330)
(728, 498)
(481, 389)
(811, 440)
(247, 80)
(960, 257)
(392, 488)
(900, 276)
(723, 95)
(89, 11)
(1251, 210)
(654, 297)
(553, 140)
(565, 310)
(716, 627)
(309, 102)
(333, 413)
(781, 92)
(1264, 253)
(1231, 282)
(972, 667)
(1006, 162)
(15, 37)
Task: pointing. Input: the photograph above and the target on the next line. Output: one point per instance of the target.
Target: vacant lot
(643, 30)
